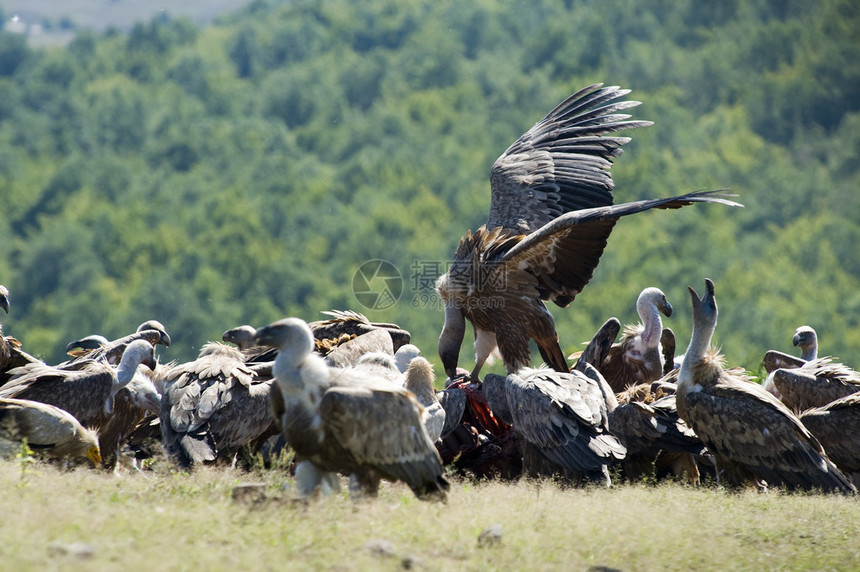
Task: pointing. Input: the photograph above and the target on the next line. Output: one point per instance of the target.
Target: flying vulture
(47, 429)
(550, 216)
(343, 421)
(212, 406)
(638, 356)
(837, 427)
(87, 392)
(752, 435)
(562, 420)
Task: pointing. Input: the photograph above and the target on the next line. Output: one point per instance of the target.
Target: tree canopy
(243, 171)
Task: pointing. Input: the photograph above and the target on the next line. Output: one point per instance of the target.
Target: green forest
(244, 171)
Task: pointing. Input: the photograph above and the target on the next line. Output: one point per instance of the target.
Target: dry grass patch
(87, 520)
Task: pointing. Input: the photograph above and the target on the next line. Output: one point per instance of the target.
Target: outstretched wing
(562, 163)
(563, 253)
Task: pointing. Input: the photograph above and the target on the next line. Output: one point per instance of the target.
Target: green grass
(86, 520)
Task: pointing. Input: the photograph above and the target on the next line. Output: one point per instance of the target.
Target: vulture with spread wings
(551, 214)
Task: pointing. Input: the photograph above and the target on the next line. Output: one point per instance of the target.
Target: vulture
(48, 430)
(151, 331)
(339, 420)
(87, 392)
(638, 356)
(5, 345)
(647, 423)
(419, 380)
(837, 427)
(242, 337)
(550, 216)
(807, 340)
(752, 435)
(4, 298)
(404, 356)
(354, 324)
(349, 352)
(213, 406)
(562, 421)
(135, 404)
(11, 355)
(86, 344)
(814, 384)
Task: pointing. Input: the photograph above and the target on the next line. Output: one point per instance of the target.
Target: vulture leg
(485, 346)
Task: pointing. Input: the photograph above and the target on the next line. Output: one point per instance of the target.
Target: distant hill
(49, 22)
(238, 172)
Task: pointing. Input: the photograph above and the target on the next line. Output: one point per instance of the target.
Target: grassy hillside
(244, 171)
(80, 520)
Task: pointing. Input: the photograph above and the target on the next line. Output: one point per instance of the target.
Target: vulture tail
(553, 356)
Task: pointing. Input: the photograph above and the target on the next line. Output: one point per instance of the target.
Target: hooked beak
(94, 455)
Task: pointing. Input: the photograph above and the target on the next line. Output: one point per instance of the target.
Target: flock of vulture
(354, 398)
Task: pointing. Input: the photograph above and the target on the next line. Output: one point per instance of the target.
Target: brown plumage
(804, 338)
(151, 331)
(638, 356)
(212, 406)
(814, 384)
(648, 424)
(550, 216)
(88, 392)
(837, 427)
(48, 430)
(562, 419)
(347, 352)
(355, 324)
(752, 435)
(341, 420)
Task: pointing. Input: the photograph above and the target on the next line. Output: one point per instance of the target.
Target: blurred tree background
(243, 171)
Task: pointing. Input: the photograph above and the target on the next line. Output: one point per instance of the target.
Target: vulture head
(242, 337)
(705, 309)
(142, 391)
(404, 356)
(48, 429)
(653, 297)
(86, 344)
(806, 339)
(4, 298)
(164, 338)
(294, 340)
